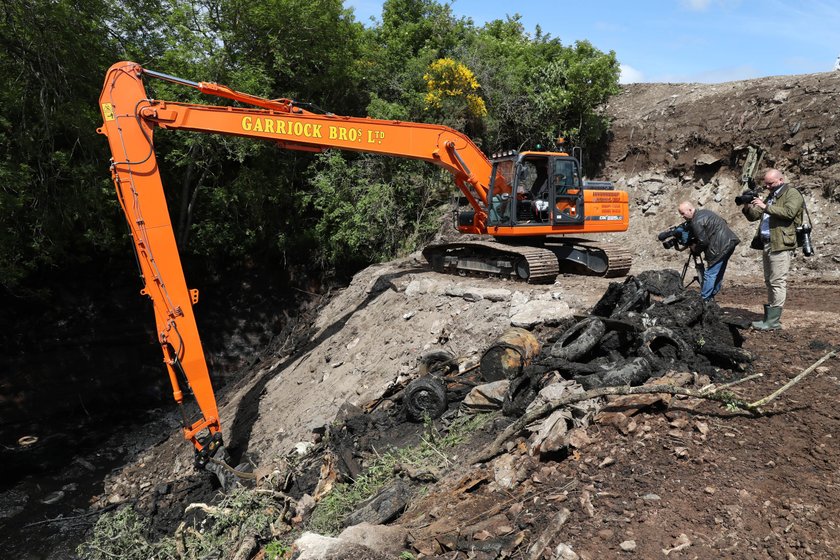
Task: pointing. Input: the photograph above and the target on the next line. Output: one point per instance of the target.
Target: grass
(247, 513)
(429, 455)
(241, 514)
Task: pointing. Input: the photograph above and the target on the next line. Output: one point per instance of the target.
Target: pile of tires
(642, 328)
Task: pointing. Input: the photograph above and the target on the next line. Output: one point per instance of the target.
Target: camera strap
(805, 207)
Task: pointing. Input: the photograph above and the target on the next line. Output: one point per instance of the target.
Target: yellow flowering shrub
(449, 78)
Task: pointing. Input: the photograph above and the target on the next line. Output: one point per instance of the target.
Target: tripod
(699, 267)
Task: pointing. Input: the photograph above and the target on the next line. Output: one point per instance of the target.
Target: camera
(676, 237)
(746, 197)
(803, 239)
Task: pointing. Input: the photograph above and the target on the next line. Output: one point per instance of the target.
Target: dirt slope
(674, 142)
(734, 485)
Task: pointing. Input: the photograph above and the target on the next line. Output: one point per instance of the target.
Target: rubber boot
(772, 322)
(761, 325)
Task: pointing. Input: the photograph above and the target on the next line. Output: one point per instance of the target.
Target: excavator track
(589, 257)
(535, 265)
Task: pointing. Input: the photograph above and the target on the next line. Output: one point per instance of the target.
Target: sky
(708, 41)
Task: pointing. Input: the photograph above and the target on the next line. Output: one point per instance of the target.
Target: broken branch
(209, 510)
(755, 405)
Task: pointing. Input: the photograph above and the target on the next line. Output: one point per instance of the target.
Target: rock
(420, 287)
(706, 159)
(681, 543)
(564, 552)
(578, 438)
(533, 313)
(507, 471)
(305, 505)
(311, 546)
(606, 534)
(302, 447)
(606, 462)
(389, 540)
(490, 294)
(628, 546)
(618, 420)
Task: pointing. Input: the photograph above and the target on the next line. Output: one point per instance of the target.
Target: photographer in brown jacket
(778, 215)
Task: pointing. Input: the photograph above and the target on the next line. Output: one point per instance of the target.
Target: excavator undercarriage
(533, 264)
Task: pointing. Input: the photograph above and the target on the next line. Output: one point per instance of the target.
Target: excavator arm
(130, 118)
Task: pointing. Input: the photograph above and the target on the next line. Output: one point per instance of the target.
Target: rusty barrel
(508, 354)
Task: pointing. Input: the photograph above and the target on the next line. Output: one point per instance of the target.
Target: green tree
(505, 59)
(398, 52)
(235, 197)
(55, 201)
(453, 95)
(373, 208)
(570, 90)
(537, 89)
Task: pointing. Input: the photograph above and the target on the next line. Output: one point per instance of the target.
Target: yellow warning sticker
(108, 111)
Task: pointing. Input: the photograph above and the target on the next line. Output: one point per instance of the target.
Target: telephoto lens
(803, 238)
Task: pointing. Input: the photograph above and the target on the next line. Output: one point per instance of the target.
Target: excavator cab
(547, 190)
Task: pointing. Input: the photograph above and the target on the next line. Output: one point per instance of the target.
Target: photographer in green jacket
(779, 215)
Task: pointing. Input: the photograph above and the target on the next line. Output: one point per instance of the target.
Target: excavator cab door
(531, 187)
(544, 189)
(502, 207)
(567, 191)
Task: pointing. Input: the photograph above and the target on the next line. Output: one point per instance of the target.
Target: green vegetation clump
(429, 455)
(122, 534)
(243, 514)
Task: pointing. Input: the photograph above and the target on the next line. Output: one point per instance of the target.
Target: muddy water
(46, 515)
(48, 511)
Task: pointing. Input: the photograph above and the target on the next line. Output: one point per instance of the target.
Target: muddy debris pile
(639, 329)
(373, 466)
(647, 329)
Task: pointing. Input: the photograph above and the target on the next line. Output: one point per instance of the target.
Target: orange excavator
(529, 202)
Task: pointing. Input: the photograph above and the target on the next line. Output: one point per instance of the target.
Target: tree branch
(757, 404)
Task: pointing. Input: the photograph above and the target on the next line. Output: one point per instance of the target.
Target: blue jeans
(714, 277)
